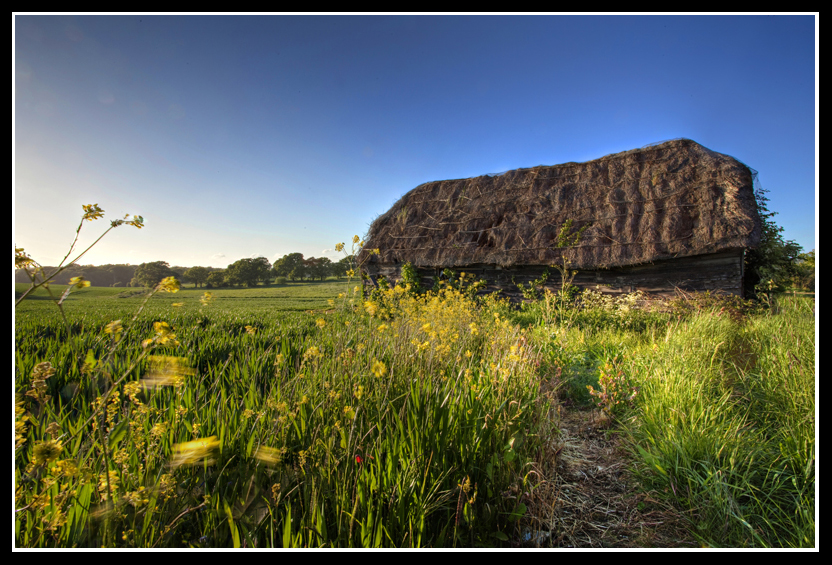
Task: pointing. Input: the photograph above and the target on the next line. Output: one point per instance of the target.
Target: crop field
(308, 415)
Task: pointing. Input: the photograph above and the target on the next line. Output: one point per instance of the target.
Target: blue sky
(246, 136)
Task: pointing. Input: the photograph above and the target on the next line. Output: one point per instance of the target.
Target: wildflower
(349, 413)
(46, 451)
(381, 328)
(114, 328)
(167, 371)
(159, 429)
(92, 212)
(136, 498)
(79, 282)
(371, 308)
(168, 284)
(103, 481)
(177, 304)
(21, 259)
(164, 335)
(320, 322)
(378, 369)
(201, 450)
(339, 247)
(137, 221)
(251, 330)
(270, 455)
(355, 239)
(312, 352)
(206, 298)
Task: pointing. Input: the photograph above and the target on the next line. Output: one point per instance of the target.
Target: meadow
(308, 415)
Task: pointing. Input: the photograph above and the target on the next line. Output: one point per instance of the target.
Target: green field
(270, 417)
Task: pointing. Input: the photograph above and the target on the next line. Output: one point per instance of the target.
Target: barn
(668, 216)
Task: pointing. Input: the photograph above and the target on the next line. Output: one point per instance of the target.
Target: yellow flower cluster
(164, 336)
(201, 450)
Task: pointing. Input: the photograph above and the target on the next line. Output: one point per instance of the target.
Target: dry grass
(586, 498)
(673, 199)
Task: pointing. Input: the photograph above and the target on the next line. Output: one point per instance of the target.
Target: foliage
(149, 275)
(410, 278)
(773, 264)
(198, 275)
(291, 265)
(215, 279)
(248, 271)
(534, 289)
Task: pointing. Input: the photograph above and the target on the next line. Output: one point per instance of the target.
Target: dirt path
(586, 498)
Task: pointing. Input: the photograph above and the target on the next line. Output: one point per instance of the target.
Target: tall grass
(398, 420)
(725, 424)
(400, 424)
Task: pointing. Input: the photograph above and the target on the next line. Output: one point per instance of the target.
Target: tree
(804, 269)
(150, 274)
(215, 279)
(248, 271)
(340, 268)
(198, 275)
(318, 268)
(291, 266)
(772, 263)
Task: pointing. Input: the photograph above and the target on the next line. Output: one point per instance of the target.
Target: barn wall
(715, 272)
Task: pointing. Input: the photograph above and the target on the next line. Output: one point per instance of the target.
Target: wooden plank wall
(715, 272)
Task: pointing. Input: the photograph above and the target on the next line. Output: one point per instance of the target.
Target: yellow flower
(371, 308)
(349, 413)
(114, 328)
(201, 450)
(355, 239)
(92, 212)
(251, 330)
(177, 304)
(79, 282)
(168, 284)
(269, 455)
(320, 322)
(167, 371)
(46, 451)
(379, 369)
(21, 259)
(206, 298)
(339, 247)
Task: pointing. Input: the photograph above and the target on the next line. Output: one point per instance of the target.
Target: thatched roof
(672, 199)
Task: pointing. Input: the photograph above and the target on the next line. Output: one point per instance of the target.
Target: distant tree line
(245, 272)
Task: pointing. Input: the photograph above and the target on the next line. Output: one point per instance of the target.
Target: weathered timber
(719, 272)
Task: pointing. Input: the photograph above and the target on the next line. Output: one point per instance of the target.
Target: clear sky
(246, 136)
